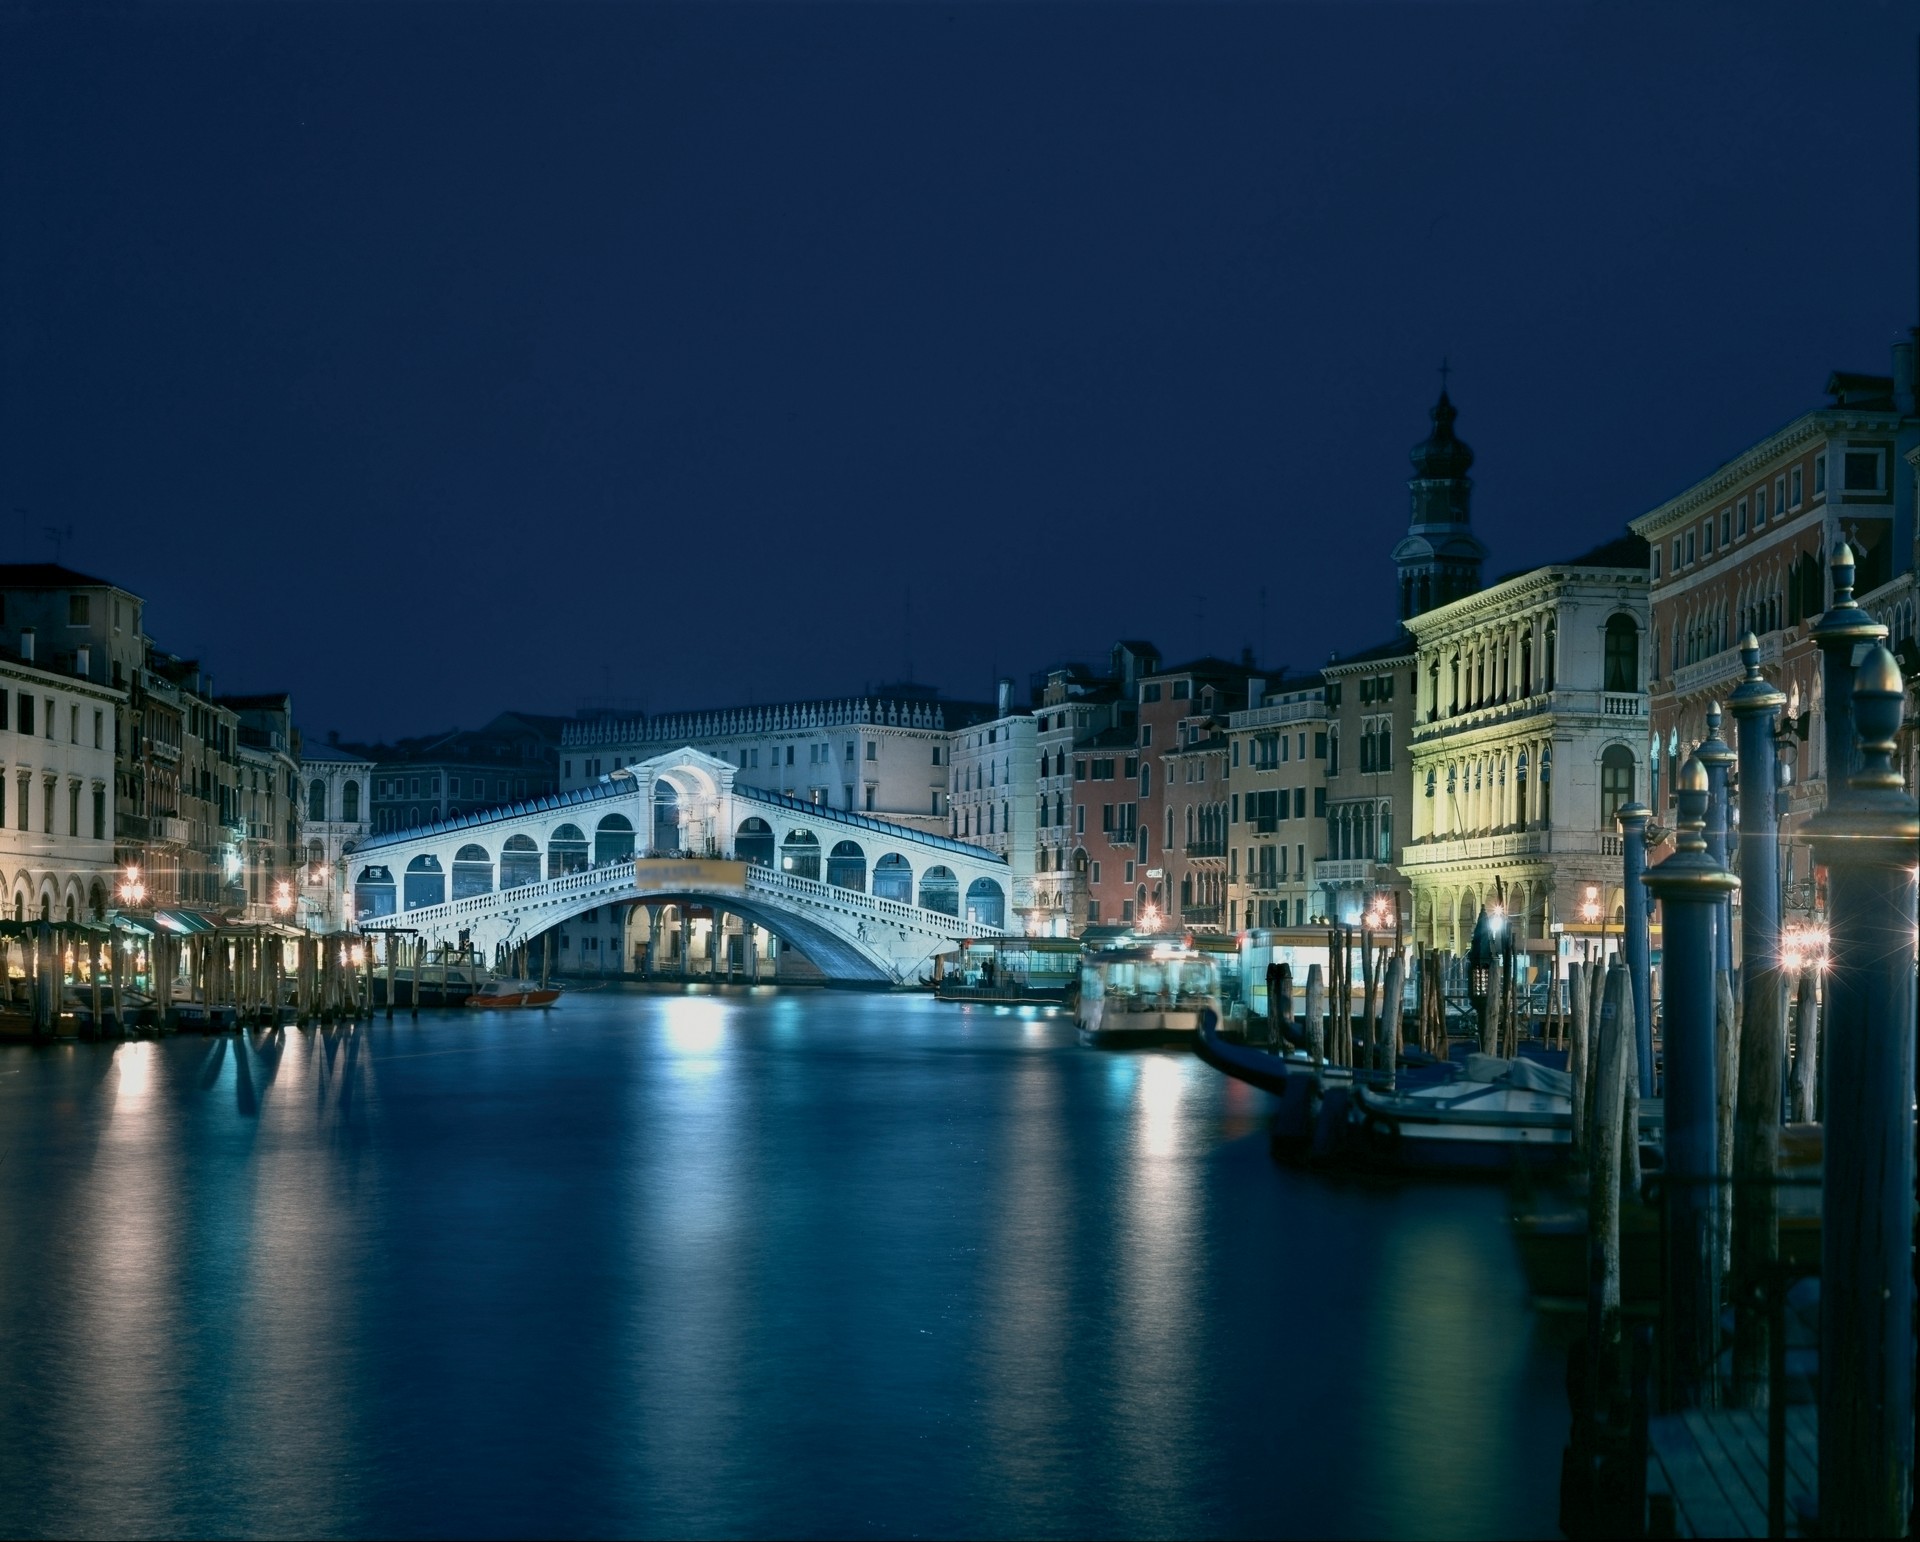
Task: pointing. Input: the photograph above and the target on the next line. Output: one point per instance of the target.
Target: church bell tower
(1439, 558)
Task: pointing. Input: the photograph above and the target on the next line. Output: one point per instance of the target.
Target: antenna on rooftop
(59, 535)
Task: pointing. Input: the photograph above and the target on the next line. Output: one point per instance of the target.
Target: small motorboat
(513, 993)
(1493, 1114)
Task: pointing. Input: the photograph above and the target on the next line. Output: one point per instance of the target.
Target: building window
(1706, 539)
(99, 812)
(1794, 486)
(1726, 527)
(1689, 547)
(1740, 518)
(1622, 654)
(1820, 473)
(1861, 471)
(1150, 692)
(1616, 783)
(1656, 564)
(1759, 508)
(1780, 494)
(77, 609)
(1676, 554)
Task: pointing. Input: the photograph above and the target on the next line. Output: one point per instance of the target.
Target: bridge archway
(847, 867)
(753, 842)
(373, 893)
(566, 851)
(613, 839)
(986, 903)
(426, 882)
(472, 872)
(940, 890)
(800, 854)
(666, 815)
(893, 878)
(519, 862)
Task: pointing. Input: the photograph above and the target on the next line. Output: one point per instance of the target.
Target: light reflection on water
(713, 1265)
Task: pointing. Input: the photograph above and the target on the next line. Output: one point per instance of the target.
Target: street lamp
(1150, 919)
(1803, 945)
(132, 891)
(1590, 913)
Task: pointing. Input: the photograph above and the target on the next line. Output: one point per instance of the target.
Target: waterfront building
(884, 754)
(1195, 825)
(1530, 734)
(1120, 795)
(1280, 750)
(1076, 707)
(57, 732)
(445, 775)
(1369, 780)
(335, 818)
(1747, 548)
(267, 798)
(994, 770)
(190, 768)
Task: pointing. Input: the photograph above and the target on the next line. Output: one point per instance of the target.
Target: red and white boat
(513, 993)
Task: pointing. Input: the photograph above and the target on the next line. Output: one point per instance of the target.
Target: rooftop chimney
(1005, 698)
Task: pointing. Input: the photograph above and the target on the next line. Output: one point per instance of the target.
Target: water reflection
(658, 1265)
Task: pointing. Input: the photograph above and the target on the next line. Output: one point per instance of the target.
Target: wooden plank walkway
(1711, 1469)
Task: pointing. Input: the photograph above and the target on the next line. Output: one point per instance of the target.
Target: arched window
(613, 840)
(373, 893)
(1623, 654)
(985, 903)
(940, 891)
(847, 867)
(566, 851)
(800, 854)
(472, 872)
(350, 802)
(97, 902)
(893, 878)
(1616, 782)
(426, 884)
(753, 842)
(317, 800)
(519, 862)
(1553, 650)
(666, 817)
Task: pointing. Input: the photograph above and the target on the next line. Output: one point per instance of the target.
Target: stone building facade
(1278, 752)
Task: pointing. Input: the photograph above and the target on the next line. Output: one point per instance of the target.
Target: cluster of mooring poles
(1744, 1057)
(1333, 1034)
(115, 978)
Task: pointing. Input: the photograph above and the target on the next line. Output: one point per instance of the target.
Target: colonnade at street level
(44, 895)
(1534, 896)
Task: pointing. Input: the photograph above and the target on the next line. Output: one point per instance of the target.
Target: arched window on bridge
(800, 854)
(940, 890)
(847, 867)
(753, 842)
(666, 817)
(373, 893)
(472, 872)
(986, 903)
(613, 840)
(317, 800)
(519, 862)
(350, 803)
(893, 878)
(426, 884)
(566, 851)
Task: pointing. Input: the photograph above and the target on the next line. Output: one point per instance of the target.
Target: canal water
(806, 1263)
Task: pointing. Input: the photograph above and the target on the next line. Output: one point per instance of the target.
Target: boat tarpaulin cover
(1529, 1075)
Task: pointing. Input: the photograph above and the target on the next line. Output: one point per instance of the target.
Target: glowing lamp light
(132, 891)
(1150, 919)
(1803, 946)
(1590, 906)
(1496, 918)
(357, 954)
(283, 896)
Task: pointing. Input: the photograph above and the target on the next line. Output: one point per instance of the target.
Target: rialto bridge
(865, 900)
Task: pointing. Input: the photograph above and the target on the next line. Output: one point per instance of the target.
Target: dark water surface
(688, 1265)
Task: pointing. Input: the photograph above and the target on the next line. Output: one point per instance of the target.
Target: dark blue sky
(430, 359)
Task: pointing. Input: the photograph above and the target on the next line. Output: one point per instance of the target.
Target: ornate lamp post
(1690, 886)
(1637, 944)
(1866, 1320)
(1718, 759)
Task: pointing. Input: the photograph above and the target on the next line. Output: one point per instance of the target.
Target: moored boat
(513, 993)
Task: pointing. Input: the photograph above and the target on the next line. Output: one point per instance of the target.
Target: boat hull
(531, 996)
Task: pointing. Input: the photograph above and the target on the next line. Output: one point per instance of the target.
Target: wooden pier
(1707, 1472)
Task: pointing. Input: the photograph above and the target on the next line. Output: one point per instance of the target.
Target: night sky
(430, 360)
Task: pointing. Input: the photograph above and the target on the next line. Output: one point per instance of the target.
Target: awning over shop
(184, 923)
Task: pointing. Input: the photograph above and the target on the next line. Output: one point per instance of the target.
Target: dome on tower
(1442, 454)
